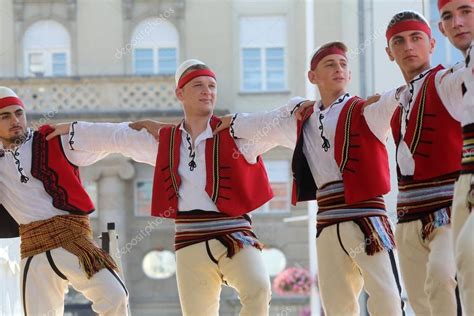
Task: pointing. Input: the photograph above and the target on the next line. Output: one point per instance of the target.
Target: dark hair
(405, 16)
(194, 67)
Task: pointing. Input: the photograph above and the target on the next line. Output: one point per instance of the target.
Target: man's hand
(370, 100)
(225, 123)
(298, 113)
(58, 130)
(152, 127)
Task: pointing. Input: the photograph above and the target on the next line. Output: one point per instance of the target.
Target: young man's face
(198, 95)
(331, 74)
(457, 23)
(12, 124)
(411, 50)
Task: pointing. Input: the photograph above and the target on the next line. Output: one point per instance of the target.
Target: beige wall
(100, 29)
(7, 39)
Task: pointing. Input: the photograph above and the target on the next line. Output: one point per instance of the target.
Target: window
(155, 47)
(144, 61)
(263, 45)
(59, 64)
(143, 194)
(278, 174)
(444, 53)
(46, 46)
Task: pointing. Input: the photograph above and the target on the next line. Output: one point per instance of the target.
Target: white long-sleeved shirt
(28, 201)
(448, 84)
(281, 126)
(105, 138)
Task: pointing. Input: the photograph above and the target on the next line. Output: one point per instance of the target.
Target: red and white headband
(407, 25)
(8, 98)
(181, 80)
(318, 56)
(442, 3)
(193, 74)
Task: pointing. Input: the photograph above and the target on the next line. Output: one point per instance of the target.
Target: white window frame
(155, 49)
(263, 65)
(47, 61)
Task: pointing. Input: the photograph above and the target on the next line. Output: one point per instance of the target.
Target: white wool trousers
(45, 278)
(203, 268)
(463, 240)
(428, 268)
(344, 268)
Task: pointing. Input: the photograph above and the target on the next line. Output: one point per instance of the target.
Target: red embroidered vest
(361, 157)
(60, 178)
(234, 185)
(433, 135)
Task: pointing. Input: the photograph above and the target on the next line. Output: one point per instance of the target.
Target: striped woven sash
(196, 226)
(467, 162)
(429, 201)
(370, 215)
(71, 232)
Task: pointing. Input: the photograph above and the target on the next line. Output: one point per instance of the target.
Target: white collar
(340, 99)
(422, 75)
(207, 133)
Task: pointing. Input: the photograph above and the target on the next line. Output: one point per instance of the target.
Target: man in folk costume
(340, 160)
(42, 191)
(201, 184)
(427, 133)
(457, 24)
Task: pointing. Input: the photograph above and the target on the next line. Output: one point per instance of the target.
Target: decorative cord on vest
(71, 136)
(326, 144)
(192, 154)
(16, 154)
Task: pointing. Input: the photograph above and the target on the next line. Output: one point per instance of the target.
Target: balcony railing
(111, 94)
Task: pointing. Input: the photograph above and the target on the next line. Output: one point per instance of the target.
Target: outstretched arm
(264, 129)
(378, 114)
(85, 143)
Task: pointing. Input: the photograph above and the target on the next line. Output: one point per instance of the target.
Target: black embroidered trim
(346, 143)
(326, 144)
(171, 161)
(192, 154)
(16, 154)
(412, 90)
(421, 114)
(23, 178)
(71, 134)
(49, 177)
(231, 127)
(215, 168)
(297, 107)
